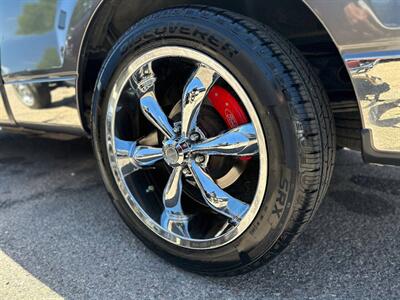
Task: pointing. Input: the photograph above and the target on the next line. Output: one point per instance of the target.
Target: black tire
(295, 116)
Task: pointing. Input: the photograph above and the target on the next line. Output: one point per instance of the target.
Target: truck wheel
(214, 138)
(34, 96)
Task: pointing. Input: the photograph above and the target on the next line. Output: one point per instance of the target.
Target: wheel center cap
(174, 153)
(171, 155)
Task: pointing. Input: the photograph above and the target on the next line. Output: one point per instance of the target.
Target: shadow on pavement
(58, 223)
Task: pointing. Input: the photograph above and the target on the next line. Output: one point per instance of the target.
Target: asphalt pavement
(60, 236)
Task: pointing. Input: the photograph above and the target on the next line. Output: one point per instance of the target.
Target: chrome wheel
(26, 95)
(179, 147)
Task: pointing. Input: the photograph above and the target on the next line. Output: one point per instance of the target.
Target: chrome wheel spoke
(131, 156)
(173, 219)
(224, 228)
(154, 113)
(217, 198)
(143, 79)
(194, 93)
(240, 141)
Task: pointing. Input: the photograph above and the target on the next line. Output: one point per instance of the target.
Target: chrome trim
(40, 79)
(3, 112)
(54, 104)
(371, 51)
(173, 223)
(6, 116)
(372, 155)
(376, 79)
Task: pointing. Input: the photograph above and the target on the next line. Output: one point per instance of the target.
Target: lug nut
(186, 171)
(177, 127)
(194, 137)
(199, 159)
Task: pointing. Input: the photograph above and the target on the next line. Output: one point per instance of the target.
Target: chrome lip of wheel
(182, 152)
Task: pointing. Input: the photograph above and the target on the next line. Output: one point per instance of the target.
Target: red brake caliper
(228, 108)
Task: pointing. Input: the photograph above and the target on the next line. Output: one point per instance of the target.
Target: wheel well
(291, 18)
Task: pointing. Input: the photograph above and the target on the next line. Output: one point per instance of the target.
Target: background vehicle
(214, 123)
